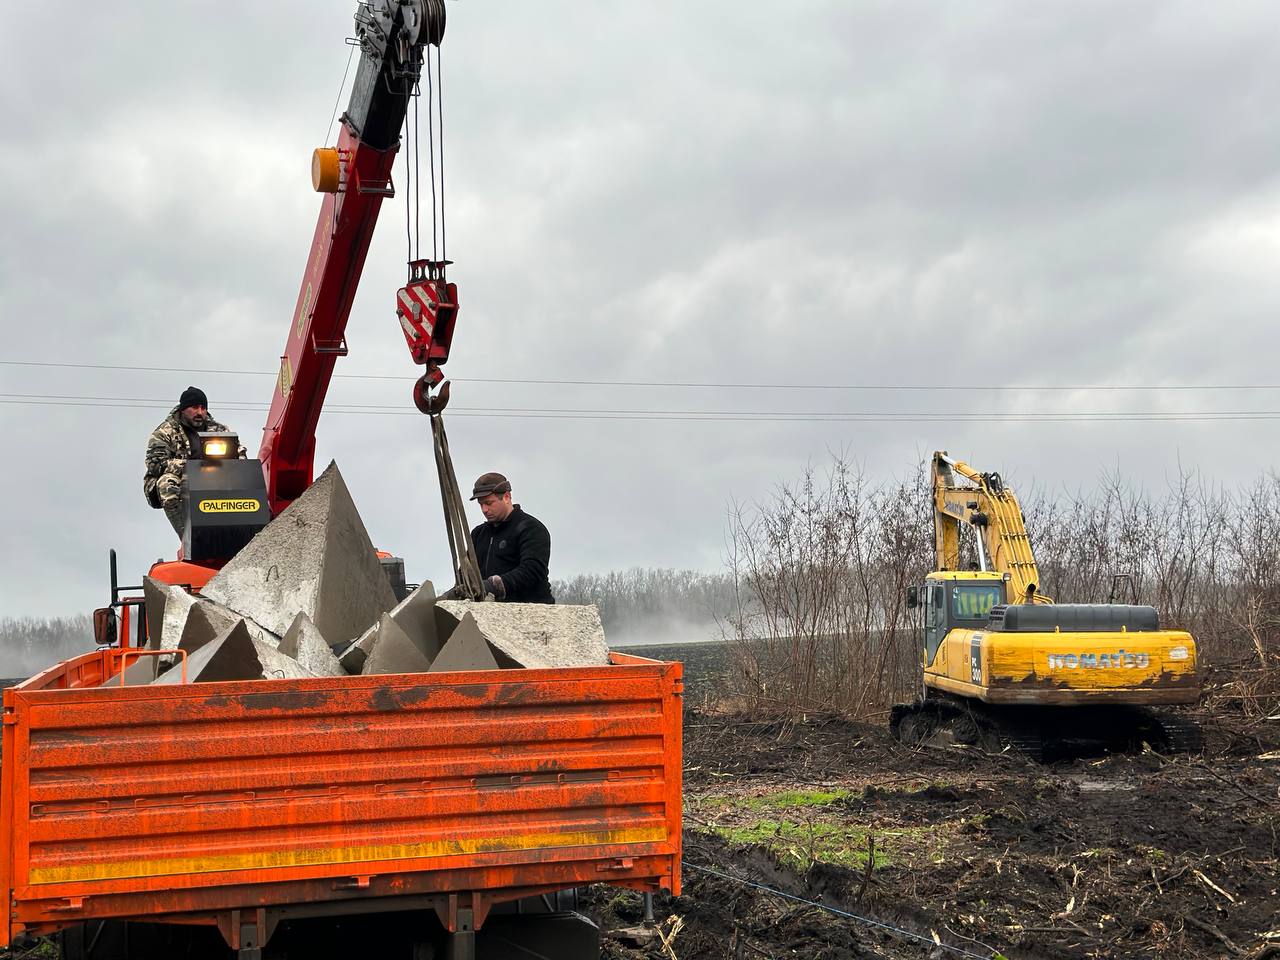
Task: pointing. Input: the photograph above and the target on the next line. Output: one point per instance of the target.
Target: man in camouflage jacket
(168, 450)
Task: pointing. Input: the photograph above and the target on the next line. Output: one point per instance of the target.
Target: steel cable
(338, 99)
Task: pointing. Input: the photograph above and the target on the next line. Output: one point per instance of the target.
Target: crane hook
(423, 399)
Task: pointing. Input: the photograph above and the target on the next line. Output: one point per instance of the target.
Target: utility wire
(847, 914)
(967, 387)
(752, 414)
(678, 415)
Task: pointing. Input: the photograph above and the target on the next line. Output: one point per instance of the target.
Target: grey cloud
(828, 192)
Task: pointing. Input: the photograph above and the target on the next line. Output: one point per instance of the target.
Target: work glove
(495, 586)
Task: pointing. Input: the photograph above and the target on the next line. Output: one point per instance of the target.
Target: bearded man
(170, 447)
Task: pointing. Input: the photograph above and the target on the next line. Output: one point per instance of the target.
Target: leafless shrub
(823, 567)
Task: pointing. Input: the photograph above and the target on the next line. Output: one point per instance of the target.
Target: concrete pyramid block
(274, 665)
(415, 615)
(177, 604)
(139, 672)
(234, 655)
(154, 593)
(393, 652)
(466, 649)
(315, 557)
(302, 642)
(538, 635)
(205, 623)
(189, 622)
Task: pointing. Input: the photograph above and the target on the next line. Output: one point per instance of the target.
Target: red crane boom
(355, 177)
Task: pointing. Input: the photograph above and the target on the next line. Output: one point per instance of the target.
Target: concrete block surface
(393, 652)
(315, 557)
(538, 635)
(154, 593)
(416, 616)
(304, 643)
(177, 604)
(466, 649)
(234, 655)
(224, 658)
(138, 672)
(205, 622)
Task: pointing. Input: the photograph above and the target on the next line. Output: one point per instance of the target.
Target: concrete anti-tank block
(303, 642)
(177, 604)
(415, 615)
(393, 652)
(466, 649)
(205, 623)
(234, 655)
(538, 635)
(138, 672)
(274, 665)
(224, 658)
(315, 557)
(154, 593)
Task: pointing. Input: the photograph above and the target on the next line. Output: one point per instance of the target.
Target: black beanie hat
(192, 397)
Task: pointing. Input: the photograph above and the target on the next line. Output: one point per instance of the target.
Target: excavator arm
(354, 178)
(962, 495)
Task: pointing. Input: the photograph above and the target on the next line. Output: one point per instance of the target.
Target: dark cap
(490, 483)
(192, 397)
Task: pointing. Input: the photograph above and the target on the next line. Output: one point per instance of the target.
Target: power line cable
(967, 387)
(708, 416)
(753, 414)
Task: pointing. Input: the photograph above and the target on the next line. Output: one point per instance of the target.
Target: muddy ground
(1125, 856)
(952, 852)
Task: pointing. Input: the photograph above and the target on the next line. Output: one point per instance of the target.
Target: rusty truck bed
(449, 790)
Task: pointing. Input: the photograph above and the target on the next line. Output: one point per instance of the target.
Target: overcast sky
(885, 195)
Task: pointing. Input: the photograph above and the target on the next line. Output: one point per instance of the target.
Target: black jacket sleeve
(535, 559)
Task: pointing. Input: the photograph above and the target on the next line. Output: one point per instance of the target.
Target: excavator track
(1041, 734)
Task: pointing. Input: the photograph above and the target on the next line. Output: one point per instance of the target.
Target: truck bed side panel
(130, 796)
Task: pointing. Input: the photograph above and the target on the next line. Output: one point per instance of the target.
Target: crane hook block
(325, 169)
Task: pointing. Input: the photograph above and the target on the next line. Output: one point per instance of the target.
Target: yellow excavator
(1006, 666)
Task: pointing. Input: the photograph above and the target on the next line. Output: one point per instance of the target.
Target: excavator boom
(987, 504)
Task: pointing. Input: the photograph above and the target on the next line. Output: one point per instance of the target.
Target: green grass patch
(793, 799)
(801, 845)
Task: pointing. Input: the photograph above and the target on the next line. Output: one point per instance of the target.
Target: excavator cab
(956, 600)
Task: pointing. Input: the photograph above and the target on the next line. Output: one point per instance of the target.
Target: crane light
(219, 446)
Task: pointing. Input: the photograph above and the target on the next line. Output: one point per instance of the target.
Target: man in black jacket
(512, 547)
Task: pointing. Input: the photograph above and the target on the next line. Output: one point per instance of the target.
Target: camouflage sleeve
(162, 478)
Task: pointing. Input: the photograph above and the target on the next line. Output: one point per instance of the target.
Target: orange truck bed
(217, 802)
